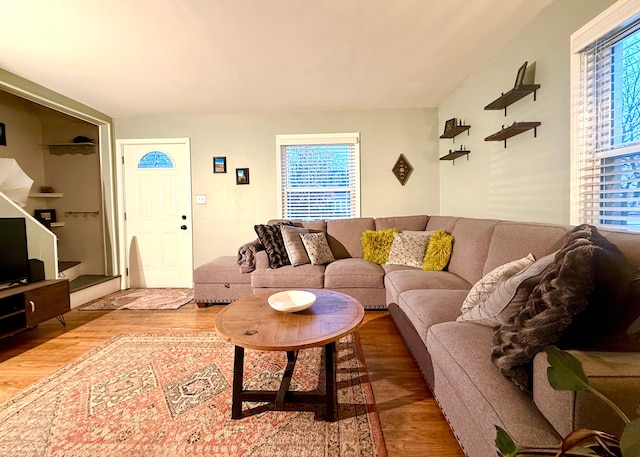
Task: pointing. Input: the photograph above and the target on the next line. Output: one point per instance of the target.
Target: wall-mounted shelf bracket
(514, 129)
(453, 155)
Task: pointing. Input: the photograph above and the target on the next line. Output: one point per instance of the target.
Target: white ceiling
(145, 57)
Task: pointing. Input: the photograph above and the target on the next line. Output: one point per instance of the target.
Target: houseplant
(565, 373)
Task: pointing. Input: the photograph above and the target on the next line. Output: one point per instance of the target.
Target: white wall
(529, 180)
(248, 141)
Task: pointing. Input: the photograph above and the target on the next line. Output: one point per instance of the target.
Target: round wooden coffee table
(251, 323)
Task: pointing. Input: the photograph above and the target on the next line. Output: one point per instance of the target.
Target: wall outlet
(201, 199)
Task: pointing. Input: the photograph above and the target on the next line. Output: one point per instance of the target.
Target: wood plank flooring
(411, 420)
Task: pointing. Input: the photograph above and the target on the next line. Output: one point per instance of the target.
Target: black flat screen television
(14, 257)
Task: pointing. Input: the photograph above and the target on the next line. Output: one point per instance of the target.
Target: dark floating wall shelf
(513, 96)
(455, 131)
(453, 155)
(514, 129)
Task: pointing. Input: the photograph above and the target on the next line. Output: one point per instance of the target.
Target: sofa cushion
(344, 236)
(460, 354)
(293, 245)
(428, 307)
(376, 245)
(402, 222)
(616, 375)
(221, 270)
(398, 281)
(472, 239)
(301, 277)
(271, 238)
(483, 288)
(509, 296)
(408, 249)
(442, 223)
(622, 333)
(353, 273)
(586, 281)
(514, 240)
(438, 252)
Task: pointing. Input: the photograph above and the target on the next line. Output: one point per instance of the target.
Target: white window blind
(606, 127)
(319, 176)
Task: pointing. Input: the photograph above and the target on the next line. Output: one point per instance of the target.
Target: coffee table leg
(292, 356)
(330, 381)
(238, 374)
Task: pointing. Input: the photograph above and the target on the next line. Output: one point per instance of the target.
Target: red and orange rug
(170, 396)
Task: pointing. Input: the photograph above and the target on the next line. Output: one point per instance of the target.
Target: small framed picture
(45, 216)
(450, 124)
(242, 176)
(219, 164)
(520, 76)
(3, 135)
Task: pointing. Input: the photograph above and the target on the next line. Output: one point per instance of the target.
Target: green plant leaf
(565, 371)
(630, 440)
(505, 444)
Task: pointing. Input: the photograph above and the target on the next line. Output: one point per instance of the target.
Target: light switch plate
(201, 199)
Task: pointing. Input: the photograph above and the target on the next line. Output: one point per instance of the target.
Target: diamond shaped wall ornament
(402, 169)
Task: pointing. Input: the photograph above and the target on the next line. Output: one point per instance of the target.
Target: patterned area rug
(170, 396)
(143, 299)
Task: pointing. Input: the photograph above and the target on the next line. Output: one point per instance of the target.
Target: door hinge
(125, 215)
(122, 159)
(126, 270)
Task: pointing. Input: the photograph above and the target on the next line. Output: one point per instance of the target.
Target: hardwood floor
(411, 420)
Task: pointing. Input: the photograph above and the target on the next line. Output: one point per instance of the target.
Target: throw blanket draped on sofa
(247, 255)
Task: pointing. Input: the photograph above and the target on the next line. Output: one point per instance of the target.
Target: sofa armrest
(615, 374)
(262, 261)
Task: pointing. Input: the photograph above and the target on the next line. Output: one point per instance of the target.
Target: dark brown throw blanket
(580, 290)
(247, 255)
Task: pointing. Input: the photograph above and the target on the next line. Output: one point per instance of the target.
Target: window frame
(618, 16)
(352, 138)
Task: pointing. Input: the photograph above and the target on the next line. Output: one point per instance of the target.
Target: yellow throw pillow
(376, 244)
(438, 251)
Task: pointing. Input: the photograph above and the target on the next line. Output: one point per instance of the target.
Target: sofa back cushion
(514, 240)
(319, 225)
(471, 240)
(442, 223)
(344, 236)
(628, 243)
(402, 223)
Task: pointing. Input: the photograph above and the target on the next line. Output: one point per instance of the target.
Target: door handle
(33, 306)
(183, 227)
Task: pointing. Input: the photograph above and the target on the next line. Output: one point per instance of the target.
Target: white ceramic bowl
(291, 301)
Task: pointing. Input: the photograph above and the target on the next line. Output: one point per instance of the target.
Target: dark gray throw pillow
(581, 289)
(271, 238)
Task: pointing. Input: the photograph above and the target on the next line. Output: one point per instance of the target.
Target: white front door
(157, 200)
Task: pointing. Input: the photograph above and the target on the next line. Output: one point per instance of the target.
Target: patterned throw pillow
(293, 245)
(376, 244)
(483, 288)
(271, 238)
(408, 249)
(508, 296)
(439, 251)
(317, 248)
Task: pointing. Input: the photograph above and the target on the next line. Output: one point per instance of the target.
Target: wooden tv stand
(25, 306)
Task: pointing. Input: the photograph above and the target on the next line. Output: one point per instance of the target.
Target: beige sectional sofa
(455, 357)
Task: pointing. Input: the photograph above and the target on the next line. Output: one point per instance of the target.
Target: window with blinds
(606, 126)
(319, 176)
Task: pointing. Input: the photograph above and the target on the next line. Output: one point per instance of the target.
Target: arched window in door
(155, 159)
